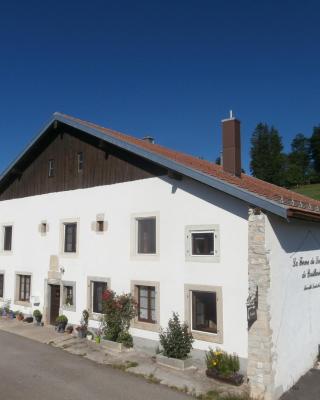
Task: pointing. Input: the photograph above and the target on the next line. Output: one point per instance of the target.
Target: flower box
(110, 345)
(174, 362)
(234, 379)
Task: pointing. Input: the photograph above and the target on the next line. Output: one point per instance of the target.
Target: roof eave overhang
(305, 215)
(232, 190)
(246, 196)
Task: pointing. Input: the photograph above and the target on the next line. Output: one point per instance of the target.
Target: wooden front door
(55, 303)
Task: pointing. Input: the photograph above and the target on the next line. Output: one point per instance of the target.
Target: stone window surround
(94, 225)
(2, 272)
(155, 327)
(6, 252)
(94, 316)
(63, 222)
(17, 287)
(134, 255)
(205, 336)
(188, 243)
(63, 292)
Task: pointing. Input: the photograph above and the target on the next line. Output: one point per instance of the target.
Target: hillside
(312, 191)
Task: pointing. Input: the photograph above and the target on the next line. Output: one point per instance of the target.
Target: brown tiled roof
(292, 200)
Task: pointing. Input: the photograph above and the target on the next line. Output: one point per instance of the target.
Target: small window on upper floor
(80, 161)
(146, 235)
(70, 237)
(100, 226)
(7, 238)
(202, 243)
(51, 168)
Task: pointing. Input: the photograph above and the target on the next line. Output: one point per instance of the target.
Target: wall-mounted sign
(309, 273)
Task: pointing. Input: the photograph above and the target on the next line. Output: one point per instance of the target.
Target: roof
(256, 192)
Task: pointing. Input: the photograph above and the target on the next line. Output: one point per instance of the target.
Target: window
(146, 235)
(70, 237)
(24, 287)
(43, 228)
(204, 312)
(80, 161)
(202, 243)
(147, 304)
(68, 295)
(1, 285)
(97, 290)
(100, 226)
(51, 168)
(7, 241)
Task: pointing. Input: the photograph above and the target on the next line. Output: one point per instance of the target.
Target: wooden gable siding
(104, 164)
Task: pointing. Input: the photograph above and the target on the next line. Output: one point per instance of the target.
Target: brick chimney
(231, 153)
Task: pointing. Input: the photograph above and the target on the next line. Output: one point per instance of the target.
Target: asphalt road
(34, 371)
(307, 388)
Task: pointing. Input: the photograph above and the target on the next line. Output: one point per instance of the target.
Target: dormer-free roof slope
(256, 192)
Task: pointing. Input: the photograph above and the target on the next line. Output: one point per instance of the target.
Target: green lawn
(309, 190)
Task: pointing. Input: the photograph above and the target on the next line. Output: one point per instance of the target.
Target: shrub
(125, 338)
(62, 319)
(37, 314)
(224, 363)
(176, 340)
(118, 312)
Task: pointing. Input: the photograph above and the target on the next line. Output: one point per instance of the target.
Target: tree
(298, 165)
(315, 149)
(267, 159)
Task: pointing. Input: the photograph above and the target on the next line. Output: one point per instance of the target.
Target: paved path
(35, 371)
(307, 388)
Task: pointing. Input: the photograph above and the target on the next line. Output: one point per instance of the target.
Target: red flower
(106, 295)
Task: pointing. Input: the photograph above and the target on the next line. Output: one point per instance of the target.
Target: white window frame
(189, 230)
(134, 236)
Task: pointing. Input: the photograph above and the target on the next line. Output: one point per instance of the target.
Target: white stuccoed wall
(295, 317)
(108, 255)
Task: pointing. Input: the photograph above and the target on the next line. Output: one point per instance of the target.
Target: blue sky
(170, 69)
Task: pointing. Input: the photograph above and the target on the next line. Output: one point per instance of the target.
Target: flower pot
(62, 327)
(234, 379)
(82, 334)
(174, 363)
(98, 339)
(38, 320)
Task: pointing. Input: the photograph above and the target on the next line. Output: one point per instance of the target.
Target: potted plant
(37, 316)
(69, 329)
(176, 342)
(61, 323)
(223, 366)
(82, 329)
(19, 316)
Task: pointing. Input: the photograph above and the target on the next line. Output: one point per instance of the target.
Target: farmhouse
(85, 208)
